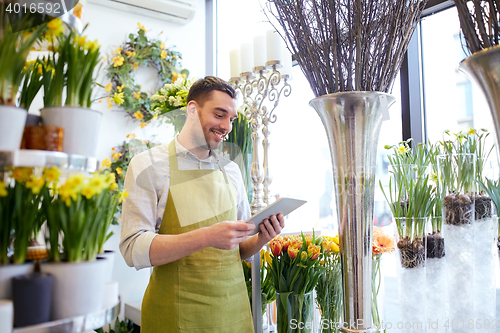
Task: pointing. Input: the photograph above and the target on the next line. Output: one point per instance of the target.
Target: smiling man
(184, 217)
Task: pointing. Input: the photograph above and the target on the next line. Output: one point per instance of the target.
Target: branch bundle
(348, 45)
(479, 23)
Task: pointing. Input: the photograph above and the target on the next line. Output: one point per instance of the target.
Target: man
(197, 205)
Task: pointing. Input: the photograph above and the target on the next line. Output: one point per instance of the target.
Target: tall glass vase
(329, 295)
(378, 295)
(352, 122)
(457, 178)
(295, 312)
(410, 266)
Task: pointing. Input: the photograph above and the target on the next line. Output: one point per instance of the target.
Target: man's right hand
(227, 235)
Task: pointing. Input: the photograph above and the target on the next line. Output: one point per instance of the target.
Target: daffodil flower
(118, 50)
(120, 88)
(108, 87)
(118, 61)
(106, 163)
(116, 156)
(123, 195)
(3, 190)
(131, 136)
(118, 98)
(137, 95)
(141, 27)
(135, 65)
(138, 115)
(163, 54)
(119, 171)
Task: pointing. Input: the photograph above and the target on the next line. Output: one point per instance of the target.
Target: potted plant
(295, 271)
(71, 66)
(14, 49)
(410, 200)
(77, 213)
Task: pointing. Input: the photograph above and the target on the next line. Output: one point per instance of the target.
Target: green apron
(205, 291)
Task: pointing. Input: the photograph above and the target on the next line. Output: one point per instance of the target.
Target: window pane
(452, 102)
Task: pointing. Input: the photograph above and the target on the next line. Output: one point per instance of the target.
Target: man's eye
(218, 115)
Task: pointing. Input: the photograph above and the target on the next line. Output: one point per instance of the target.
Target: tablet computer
(284, 206)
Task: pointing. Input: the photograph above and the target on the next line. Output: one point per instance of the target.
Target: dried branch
(347, 45)
(479, 23)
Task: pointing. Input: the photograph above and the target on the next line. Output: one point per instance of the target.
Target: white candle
(273, 43)
(259, 51)
(287, 62)
(234, 60)
(246, 57)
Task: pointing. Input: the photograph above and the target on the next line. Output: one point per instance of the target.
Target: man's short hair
(202, 89)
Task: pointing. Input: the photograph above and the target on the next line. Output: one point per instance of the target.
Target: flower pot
(109, 256)
(78, 287)
(411, 270)
(12, 121)
(7, 272)
(32, 296)
(80, 125)
(295, 312)
(352, 122)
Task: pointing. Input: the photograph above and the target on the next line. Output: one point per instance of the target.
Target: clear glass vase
(329, 295)
(410, 265)
(295, 313)
(378, 315)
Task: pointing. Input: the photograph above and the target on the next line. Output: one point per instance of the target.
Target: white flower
(171, 100)
(177, 101)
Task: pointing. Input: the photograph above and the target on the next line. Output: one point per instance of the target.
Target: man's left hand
(271, 227)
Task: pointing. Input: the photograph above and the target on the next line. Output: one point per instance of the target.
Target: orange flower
(313, 251)
(384, 243)
(276, 245)
(293, 251)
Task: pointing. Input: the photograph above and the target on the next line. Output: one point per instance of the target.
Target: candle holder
(259, 92)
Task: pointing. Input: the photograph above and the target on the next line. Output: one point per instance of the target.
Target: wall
(111, 28)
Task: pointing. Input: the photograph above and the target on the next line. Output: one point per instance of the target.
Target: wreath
(140, 50)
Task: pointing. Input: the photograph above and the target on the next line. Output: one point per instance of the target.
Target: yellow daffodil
(120, 88)
(81, 40)
(471, 131)
(130, 53)
(3, 189)
(123, 195)
(51, 174)
(141, 27)
(108, 87)
(155, 117)
(98, 183)
(106, 163)
(163, 54)
(162, 45)
(116, 156)
(118, 50)
(119, 170)
(137, 95)
(36, 185)
(138, 115)
(88, 192)
(113, 187)
(175, 76)
(131, 136)
(135, 65)
(118, 61)
(22, 174)
(55, 27)
(118, 98)
(143, 124)
(75, 181)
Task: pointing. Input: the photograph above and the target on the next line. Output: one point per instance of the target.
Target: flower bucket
(109, 256)
(12, 121)
(7, 272)
(78, 287)
(80, 126)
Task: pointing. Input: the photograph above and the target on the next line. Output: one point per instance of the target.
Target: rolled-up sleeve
(139, 218)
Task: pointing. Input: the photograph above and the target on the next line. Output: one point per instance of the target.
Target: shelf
(44, 158)
(77, 324)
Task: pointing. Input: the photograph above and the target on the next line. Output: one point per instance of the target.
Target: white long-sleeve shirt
(147, 183)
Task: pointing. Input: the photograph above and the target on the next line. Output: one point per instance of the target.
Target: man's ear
(191, 108)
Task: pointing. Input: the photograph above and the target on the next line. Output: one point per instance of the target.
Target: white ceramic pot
(7, 272)
(12, 121)
(78, 287)
(80, 125)
(109, 256)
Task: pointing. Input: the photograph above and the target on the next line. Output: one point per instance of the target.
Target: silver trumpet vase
(483, 68)
(352, 122)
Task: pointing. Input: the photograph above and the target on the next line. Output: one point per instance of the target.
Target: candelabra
(265, 85)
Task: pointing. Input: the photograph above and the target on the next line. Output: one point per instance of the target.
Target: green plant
(14, 48)
(124, 326)
(71, 65)
(268, 294)
(32, 82)
(80, 210)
